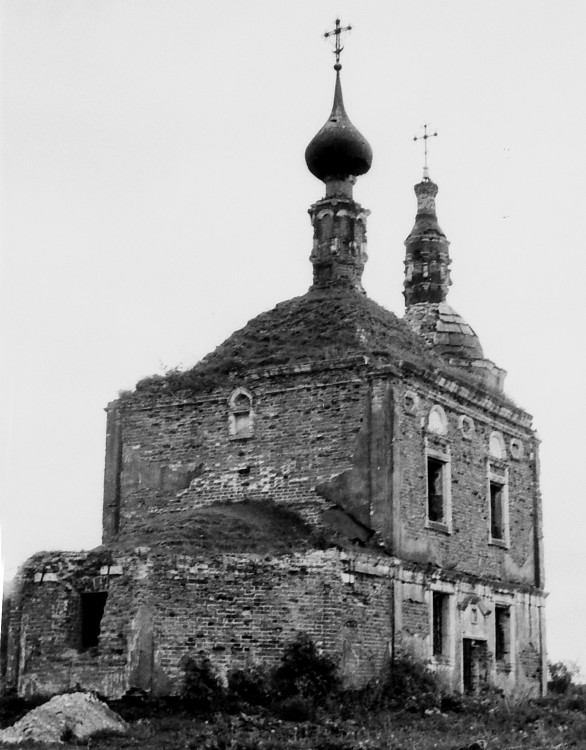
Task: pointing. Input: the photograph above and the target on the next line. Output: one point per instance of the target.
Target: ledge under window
(499, 543)
(443, 528)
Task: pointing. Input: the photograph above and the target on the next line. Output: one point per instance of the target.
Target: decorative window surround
(241, 415)
(466, 425)
(496, 447)
(442, 626)
(437, 422)
(438, 482)
(411, 402)
(497, 493)
(516, 449)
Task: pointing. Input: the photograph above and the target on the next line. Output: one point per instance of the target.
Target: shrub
(249, 686)
(201, 691)
(560, 677)
(305, 672)
(296, 708)
(137, 704)
(405, 683)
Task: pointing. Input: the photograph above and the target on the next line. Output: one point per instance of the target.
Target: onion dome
(338, 151)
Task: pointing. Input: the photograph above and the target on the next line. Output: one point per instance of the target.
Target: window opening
(439, 623)
(497, 528)
(501, 633)
(92, 611)
(435, 489)
(241, 419)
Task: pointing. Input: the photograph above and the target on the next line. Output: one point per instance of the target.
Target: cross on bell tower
(427, 259)
(425, 138)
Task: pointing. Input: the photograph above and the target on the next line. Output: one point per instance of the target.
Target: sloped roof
(444, 329)
(322, 325)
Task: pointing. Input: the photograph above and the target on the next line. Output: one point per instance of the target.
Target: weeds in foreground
(299, 705)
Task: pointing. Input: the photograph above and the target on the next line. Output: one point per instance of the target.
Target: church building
(331, 468)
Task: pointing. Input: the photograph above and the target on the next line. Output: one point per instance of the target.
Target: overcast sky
(155, 195)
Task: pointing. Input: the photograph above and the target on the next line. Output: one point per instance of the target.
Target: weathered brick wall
(177, 455)
(45, 653)
(236, 610)
(241, 610)
(310, 429)
(467, 547)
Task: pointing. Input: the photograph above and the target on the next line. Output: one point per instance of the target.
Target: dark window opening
(440, 623)
(92, 611)
(501, 633)
(497, 530)
(435, 490)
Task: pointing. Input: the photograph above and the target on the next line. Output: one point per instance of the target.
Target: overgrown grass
(300, 705)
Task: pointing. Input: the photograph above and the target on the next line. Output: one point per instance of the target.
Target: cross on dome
(337, 34)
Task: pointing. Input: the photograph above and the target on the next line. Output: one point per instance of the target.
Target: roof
(324, 324)
(445, 329)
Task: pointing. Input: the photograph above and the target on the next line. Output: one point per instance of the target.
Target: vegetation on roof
(251, 526)
(322, 325)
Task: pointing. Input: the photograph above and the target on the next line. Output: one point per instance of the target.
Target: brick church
(331, 469)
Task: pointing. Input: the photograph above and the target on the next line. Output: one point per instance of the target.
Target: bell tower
(337, 155)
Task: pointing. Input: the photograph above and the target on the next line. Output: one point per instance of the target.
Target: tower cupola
(337, 155)
(426, 286)
(427, 260)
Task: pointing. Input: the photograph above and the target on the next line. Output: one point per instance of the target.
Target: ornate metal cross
(337, 33)
(424, 138)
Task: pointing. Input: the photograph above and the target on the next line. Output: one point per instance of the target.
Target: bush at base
(202, 690)
(305, 672)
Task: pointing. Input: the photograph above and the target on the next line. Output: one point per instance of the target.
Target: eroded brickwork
(179, 454)
(345, 448)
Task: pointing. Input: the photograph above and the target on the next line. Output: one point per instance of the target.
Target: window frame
(498, 476)
(504, 661)
(237, 411)
(439, 456)
(444, 653)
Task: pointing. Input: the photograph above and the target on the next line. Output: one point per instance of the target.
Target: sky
(154, 199)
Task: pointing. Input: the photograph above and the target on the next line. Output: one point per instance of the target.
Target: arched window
(437, 421)
(240, 417)
(496, 446)
(325, 226)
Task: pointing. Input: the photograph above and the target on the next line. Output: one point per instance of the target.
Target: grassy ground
(384, 731)
(300, 705)
(526, 725)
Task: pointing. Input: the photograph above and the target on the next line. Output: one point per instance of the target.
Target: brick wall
(177, 455)
(466, 546)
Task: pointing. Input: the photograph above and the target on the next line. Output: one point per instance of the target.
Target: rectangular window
(92, 611)
(497, 525)
(435, 490)
(502, 630)
(439, 618)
